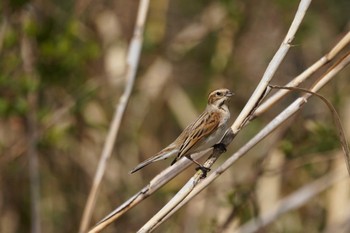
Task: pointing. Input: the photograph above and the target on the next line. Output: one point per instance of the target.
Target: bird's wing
(196, 132)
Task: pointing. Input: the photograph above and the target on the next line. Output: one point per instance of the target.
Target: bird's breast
(214, 138)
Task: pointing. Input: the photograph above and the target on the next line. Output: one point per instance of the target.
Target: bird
(205, 132)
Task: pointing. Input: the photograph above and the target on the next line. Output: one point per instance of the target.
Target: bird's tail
(163, 154)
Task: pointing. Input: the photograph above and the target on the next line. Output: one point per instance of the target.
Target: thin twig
(336, 119)
(271, 69)
(156, 183)
(304, 75)
(293, 201)
(132, 63)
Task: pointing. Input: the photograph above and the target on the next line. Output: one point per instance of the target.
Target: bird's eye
(218, 93)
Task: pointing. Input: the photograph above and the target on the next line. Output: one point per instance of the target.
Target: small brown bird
(206, 131)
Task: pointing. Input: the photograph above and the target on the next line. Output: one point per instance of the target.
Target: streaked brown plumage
(206, 131)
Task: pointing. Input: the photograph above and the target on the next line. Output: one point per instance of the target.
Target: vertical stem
(132, 64)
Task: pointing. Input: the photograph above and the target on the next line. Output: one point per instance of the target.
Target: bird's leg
(221, 147)
(205, 170)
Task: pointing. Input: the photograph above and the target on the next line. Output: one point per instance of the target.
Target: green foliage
(324, 136)
(286, 146)
(234, 10)
(287, 4)
(17, 4)
(10, 38)
(63, 55)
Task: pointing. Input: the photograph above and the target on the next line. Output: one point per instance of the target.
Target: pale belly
(213, 139)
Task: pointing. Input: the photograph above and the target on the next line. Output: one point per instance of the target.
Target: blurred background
(61, 76)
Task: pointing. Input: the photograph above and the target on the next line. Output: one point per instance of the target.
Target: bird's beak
(229, 94)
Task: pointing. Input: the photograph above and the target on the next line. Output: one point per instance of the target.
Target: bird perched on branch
(205, 132)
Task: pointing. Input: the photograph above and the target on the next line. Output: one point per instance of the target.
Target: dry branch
(336, 119)
(132, 63)
(293, 201)
(304, 75)
(156, 183)
(260, 90)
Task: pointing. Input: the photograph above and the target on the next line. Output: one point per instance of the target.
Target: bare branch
(132, 63)
(259, 92)
(293, 201)
(156, 183)
(304, 75)
(336, 119)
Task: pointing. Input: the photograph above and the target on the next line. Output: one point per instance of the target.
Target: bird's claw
(204, 170)
(221, 147)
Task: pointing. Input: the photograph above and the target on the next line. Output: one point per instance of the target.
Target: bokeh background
(62, 67)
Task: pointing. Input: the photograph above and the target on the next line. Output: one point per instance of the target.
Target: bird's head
(219, 97)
